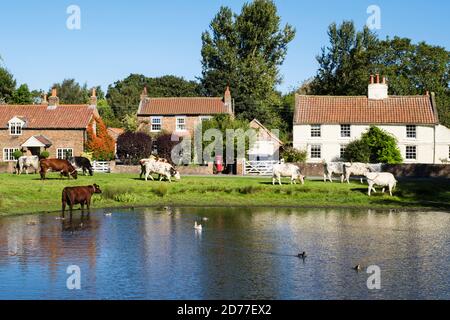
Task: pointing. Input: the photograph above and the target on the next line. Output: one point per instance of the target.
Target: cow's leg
(330, 177)
(384, 189)
(279, 180)
(273, 180)
(324, 177)
(63, 206)
(370, 189)
(42, 173)
(342, 178)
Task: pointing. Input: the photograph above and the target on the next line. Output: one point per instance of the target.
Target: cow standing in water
(78, 195)
(58, 165)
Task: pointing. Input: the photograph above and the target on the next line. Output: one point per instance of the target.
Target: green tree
(71, 92)
(374, 146)
(7, 85)
(245, 52)
(22, 95)
(124, 95)
(107, 114)
(412, 69)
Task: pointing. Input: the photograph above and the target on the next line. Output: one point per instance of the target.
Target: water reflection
(240, 254)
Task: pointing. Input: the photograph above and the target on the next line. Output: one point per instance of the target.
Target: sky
(157, 37)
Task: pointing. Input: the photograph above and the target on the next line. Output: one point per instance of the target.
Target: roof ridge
(185, 98)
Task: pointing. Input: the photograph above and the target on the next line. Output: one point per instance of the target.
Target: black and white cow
(25, 162)
(83, 164)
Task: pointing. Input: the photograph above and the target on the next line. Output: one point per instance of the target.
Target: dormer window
(15, 126)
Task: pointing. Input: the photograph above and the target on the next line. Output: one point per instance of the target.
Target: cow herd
(371, 172)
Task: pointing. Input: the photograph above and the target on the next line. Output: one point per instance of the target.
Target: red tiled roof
(182, 106)
(43, 140)
(361, 110)
(40, 117)
(115, 132)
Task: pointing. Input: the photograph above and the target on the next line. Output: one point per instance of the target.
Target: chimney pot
(53, 101)
(372, 79)
(378, 78)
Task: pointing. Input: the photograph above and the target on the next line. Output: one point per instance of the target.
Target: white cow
(162, 168)
(359, 169)
(26, 162)
(382, 179)
(330, 168)
(287, 170)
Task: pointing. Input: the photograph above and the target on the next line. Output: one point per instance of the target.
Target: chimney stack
(53, 101)
(377, 90)
(372, 79)
(144, 93)
(44, 99)
(93, 100)
(228, 101)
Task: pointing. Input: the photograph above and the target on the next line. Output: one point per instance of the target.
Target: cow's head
(97, 188)
(174, 173)
(74, 173)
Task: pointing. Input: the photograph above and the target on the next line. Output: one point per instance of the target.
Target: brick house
(180, 115)
(324, 125)
(59, 129)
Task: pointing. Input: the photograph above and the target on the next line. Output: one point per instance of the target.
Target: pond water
(240, 254)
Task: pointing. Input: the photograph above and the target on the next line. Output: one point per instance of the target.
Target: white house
(324, 125)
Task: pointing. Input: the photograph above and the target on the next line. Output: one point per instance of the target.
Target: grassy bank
(27, 194)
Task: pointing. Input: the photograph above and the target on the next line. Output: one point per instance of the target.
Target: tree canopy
(7, 85)
(124, 95)
(245, 51)
(71, 92)
(411, 69)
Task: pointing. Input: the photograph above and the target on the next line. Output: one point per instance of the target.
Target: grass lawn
(28, 194)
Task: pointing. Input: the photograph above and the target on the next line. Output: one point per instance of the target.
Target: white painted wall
(331, 141)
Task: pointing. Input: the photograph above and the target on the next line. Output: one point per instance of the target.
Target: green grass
(28, 194)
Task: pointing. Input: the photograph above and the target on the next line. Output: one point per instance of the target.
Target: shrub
(112, 192)
(161, 190)
(292, 155)
(99, 142)
(44, 154)
(375, 146)
(17, 154)
(125, 197)
(164, 146)
(133, 146)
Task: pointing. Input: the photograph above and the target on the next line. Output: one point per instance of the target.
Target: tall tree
(124, 95)
(344, 66)
(245, 52)
(22, 95)
(71, 92)
(7, 85)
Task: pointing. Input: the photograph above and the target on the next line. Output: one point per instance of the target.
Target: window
(15, 128)
(411, 152)
(345, 131)
(8, 154)
(411, 132)
(315, 130)
(342, 152)
(181, 124)
(205, 118)
(156, 124)
(316, 151)
(64, 153)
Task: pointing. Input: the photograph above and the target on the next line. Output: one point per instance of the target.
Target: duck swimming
(357, 267)
(302, 255)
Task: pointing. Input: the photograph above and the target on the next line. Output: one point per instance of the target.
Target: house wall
(60, 138)
(169, 123)
(331, 141)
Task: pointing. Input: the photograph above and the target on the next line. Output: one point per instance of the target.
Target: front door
(35, 151)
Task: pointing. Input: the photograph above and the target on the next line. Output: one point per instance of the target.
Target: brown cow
(78, 195)
(58, 165)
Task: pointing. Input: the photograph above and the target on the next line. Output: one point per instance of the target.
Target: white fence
(260, 168)
(101, 166)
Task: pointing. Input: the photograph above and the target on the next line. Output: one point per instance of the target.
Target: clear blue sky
(163, 37)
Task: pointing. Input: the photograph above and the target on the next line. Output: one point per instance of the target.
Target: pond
(242, 253)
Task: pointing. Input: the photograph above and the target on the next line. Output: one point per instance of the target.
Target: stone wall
(419, 170)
